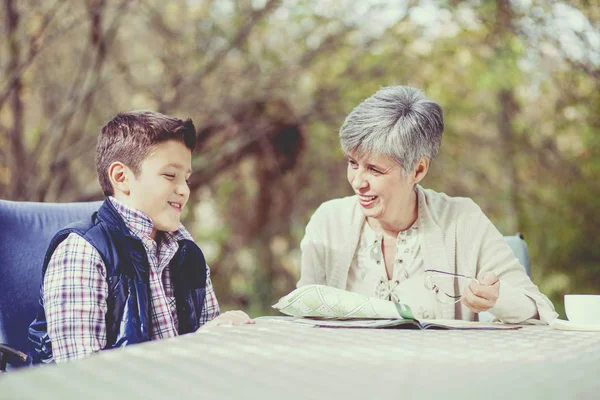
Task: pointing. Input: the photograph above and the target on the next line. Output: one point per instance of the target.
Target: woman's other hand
(236, 317)
(481, 296)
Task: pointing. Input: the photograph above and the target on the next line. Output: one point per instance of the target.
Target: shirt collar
(372, 232)
(141, 225)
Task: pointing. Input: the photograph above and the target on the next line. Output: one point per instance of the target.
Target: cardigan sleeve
(520, 300)
(312, 247)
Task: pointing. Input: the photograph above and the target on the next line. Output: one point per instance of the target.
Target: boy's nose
(182, 190)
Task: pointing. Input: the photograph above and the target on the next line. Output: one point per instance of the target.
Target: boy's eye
(352, 163)
(169, 176)
(374, 171)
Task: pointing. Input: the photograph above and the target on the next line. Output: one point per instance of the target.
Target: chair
(519, 247)
(25, 232)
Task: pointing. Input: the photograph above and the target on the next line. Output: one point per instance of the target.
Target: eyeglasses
(432, 276)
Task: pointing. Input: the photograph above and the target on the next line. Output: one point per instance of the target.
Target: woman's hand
(482, 296)
(236, 317)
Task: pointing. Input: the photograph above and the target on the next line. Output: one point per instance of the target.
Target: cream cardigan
(456, 237)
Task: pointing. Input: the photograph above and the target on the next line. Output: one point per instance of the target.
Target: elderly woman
(395, 240)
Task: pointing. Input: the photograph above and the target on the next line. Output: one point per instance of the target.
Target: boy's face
(160, 190)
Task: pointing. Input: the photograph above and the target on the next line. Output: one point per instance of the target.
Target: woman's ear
(421, 170)
(119, 177)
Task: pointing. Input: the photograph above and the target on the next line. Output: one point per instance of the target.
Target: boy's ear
(119, 177)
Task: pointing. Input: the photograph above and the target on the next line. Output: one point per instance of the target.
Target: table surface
(276, 359)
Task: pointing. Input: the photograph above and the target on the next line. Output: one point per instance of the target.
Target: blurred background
(268, 83)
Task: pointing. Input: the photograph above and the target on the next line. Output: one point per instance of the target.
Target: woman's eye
(374, 171)
(352, 163)
(169, 176)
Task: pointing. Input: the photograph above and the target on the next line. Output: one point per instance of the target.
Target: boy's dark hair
(129, 137)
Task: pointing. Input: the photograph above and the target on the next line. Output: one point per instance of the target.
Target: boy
(131, 273)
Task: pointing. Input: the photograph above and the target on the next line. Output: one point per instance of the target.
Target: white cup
(583, 308)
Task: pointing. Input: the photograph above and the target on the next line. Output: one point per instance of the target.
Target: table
(275, 359)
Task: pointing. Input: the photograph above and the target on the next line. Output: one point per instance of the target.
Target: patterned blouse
(368, 274)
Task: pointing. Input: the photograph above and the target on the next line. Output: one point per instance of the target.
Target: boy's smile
(160, 190)
(176, 205)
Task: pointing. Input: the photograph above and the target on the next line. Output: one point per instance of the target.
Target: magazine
(439, 324)
(328, 307)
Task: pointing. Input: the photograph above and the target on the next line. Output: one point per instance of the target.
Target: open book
(324, 306)
(403, 324)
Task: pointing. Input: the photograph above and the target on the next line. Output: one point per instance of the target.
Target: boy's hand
(236, 317)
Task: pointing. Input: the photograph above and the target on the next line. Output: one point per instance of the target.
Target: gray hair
(398, 121)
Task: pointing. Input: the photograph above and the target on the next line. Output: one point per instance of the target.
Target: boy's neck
(155, 235)
(123, 198)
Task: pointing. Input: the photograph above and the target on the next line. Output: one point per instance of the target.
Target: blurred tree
(268, 84)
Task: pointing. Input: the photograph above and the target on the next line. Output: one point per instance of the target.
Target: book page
(432, 324)
(460, 324)
(403, 324)
(355, 323)
(327, 302)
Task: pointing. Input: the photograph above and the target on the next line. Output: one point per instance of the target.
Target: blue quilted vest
(128, 320)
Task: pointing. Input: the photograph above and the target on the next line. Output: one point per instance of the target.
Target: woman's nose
(359, 181)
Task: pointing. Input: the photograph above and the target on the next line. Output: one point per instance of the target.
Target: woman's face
(384, 193)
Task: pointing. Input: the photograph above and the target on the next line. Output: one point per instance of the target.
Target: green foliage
(522, 127)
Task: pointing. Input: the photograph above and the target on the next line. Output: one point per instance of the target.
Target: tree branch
(82, 101)
(35, 48)
(238, 41)
(18, 179)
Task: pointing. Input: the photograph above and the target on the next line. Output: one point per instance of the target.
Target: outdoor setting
(268, 85)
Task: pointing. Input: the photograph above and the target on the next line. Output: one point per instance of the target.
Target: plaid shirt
(75, 289)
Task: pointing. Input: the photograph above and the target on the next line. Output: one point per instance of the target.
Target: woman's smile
(367, 201)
